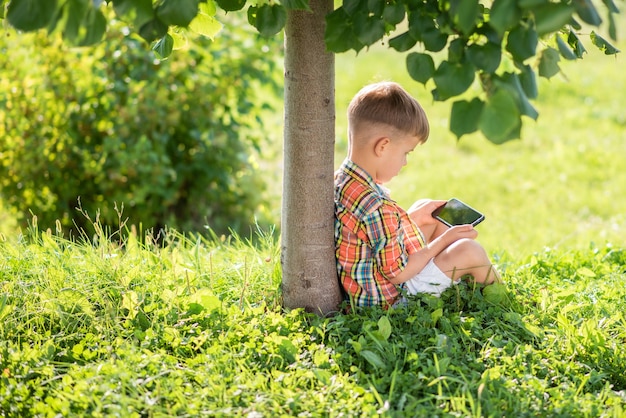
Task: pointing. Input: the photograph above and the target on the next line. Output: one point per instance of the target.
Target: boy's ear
(381, 145)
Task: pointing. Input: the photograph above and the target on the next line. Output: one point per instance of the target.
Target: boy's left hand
(421, 212)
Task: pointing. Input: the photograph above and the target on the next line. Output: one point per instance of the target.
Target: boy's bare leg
(467, 256)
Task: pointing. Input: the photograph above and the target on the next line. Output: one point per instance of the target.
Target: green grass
(194, 328)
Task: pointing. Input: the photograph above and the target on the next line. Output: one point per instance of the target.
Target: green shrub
(171, 142)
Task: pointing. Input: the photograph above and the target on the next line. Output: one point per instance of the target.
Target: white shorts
(430, 280)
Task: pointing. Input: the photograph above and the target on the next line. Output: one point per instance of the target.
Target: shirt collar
(355, 171)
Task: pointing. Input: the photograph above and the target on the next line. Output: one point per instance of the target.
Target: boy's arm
(418, 260)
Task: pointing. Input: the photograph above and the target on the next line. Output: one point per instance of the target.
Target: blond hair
(389, 104)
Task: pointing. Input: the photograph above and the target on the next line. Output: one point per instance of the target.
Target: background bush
(174, 142)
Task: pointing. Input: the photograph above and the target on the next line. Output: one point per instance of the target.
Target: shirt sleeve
(384, 228)
(413, 237)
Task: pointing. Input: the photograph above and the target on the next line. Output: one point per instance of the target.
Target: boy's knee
(470, 249)
(467, 244)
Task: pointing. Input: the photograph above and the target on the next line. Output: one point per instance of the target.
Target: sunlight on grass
(192, 326)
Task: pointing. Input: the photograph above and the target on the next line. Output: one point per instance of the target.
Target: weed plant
(122, 326)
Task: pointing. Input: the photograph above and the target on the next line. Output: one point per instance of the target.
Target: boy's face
(394, 157)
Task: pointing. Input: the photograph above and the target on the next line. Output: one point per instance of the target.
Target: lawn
(194, 327)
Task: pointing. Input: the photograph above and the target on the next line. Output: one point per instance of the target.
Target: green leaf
(324, 376)
(531, 4)
(5, 309)
(612, 27)
(528, 80)
(208, 8)
(356, 345)
(354, 6)
(30, 15)
(564, 48)
(610, 5)
(402, 42)
(512, 83)
(231, 5)
(465, 14)
(504, 15)
(384, 327)
(420, 67)
(153, 30)
(177, 12)
(577, 46)
(464, 116)
(338, 35)
(268, 19)
(456, 50)
(489, 33)
(95, 24)
(551, 17)
(486, 57)
(436, 315)
(143, 321)
(548, 63)
(418, 24)
(394, 13)
(522, 42)
(375, 8)
(368, 29)
(287, 349)
(373, 359)
(452, 79)
(84, 23)
(515, 133)
(180, 38)
(137, 11)
(574, 24)
(602, 44)
(587, 12)
(74, 12)
(130, 302)
(495, 293)
(163, 48)
(585, 272)
(434, 39)
(206, 299)
(204, 23)
(500, 117)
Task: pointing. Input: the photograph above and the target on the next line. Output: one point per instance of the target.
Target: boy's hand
(457, 232)
(421, 211)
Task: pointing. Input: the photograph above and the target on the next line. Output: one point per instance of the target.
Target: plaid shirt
(373, 238)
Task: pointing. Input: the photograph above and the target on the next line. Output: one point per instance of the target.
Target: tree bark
(308, 247)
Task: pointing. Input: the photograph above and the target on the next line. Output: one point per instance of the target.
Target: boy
(381, 249)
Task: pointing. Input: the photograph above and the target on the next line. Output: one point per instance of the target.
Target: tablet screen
(455, 212)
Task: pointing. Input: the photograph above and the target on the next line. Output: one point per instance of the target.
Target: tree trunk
(308, 247)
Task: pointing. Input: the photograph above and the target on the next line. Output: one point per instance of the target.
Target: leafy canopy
(499, 46)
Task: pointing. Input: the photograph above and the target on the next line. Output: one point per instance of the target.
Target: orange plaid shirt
(373, 238)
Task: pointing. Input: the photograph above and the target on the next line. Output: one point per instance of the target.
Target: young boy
(382, 249)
